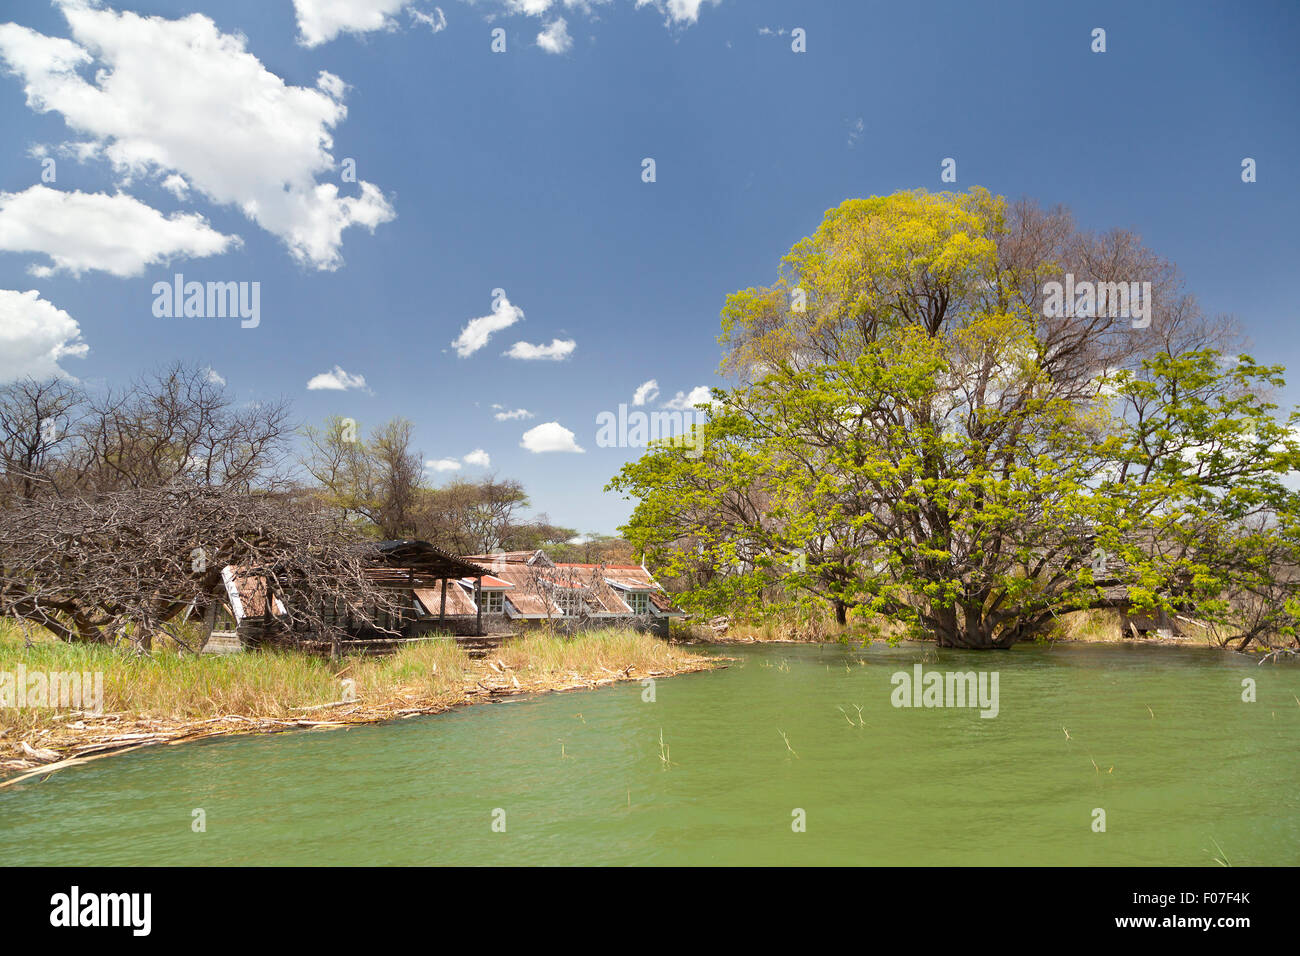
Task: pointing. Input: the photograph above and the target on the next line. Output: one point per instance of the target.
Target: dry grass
(1104, 626)
(539, 654)
(806, 627)
(1101, 626)
(169, 696)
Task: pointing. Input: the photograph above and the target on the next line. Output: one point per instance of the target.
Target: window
(492, 602)
(569, 600)
(224, 619)
(638, 601)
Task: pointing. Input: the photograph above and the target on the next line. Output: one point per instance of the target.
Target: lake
(1158, 738)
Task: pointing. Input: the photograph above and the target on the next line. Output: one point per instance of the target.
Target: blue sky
(522, 171)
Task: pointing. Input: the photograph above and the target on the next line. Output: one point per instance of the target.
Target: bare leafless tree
(128, 565)
(176, 422)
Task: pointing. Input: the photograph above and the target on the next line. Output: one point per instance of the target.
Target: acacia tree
(915, 437)
(375, 482)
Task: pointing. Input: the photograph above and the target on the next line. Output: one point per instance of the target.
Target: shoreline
(1125, 641)
(88, 738)
(82, 738)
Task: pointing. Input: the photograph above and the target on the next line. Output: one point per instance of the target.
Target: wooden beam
(478, 605)
(442, 613)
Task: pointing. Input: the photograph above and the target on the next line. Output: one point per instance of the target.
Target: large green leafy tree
(915, 439)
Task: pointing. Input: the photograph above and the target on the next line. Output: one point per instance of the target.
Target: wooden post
(266, 609)
(442, 612)
(478, 604)
(410, 602)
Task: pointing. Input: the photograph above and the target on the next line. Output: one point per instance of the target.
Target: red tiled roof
(490, 582)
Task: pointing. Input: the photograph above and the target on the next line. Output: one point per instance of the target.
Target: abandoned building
(529, 586)
(442, 595)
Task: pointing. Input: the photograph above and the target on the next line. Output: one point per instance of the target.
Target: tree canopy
(915, 435)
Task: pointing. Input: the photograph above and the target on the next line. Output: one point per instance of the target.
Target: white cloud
(34, 335)
(856, 128)
(558, 349)
(115, 234)
(214, 377)
(320, 21)
(646, 392)
(479, 458)
(336, 380)
(176, 185)
(676, 12)
(180, 96)
(436, 21)
(443, 464)
(504, 416)
(550, 436)
(699, 395)
(476, 333)
(531, 8)
(333, 86)
(555, 38)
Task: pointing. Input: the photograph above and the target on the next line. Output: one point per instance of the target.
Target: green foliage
(945, 468)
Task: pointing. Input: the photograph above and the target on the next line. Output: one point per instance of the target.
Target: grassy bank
(169, 697)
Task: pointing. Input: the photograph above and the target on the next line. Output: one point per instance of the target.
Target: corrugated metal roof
(459, 603)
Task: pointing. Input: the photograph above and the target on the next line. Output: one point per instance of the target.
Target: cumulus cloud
(158, 97)
(684, 401)
(34, 336)
(504, 415)
(550, 436)
(336, 380)
(555, 38)
(476, 333)
(214, 377)
(115, 234)
(646, 392)
(478, 458)
(320, 21)
(558, 349)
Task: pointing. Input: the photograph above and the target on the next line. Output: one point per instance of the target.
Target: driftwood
(486, 687)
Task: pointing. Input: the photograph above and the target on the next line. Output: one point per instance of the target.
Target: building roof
(458, 602)
(603, 584)
(500, 558)
(410, 554)
(490, 583)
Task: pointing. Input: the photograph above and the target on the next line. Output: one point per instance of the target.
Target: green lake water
(581, 777)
